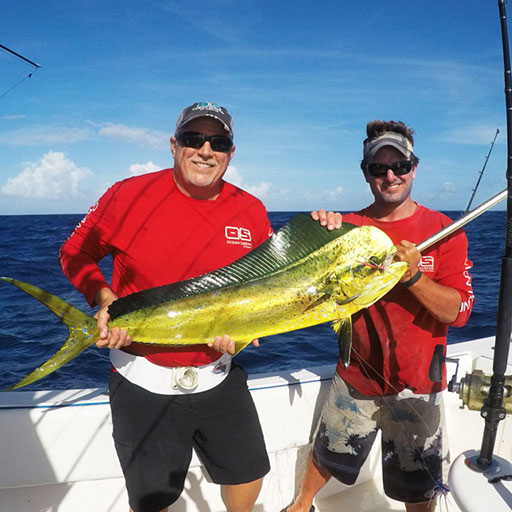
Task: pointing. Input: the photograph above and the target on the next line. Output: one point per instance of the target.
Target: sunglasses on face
(398, 168)
(196, 140)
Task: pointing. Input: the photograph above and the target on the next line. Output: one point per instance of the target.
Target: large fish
(304, 275)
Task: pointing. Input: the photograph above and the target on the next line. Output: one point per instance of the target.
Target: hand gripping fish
(303, 275)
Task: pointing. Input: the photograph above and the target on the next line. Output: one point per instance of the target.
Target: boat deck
(61, 455)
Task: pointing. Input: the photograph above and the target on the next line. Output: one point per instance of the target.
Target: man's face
(198, 172)
(390, 189)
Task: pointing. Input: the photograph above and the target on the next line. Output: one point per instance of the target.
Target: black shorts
(154, 436)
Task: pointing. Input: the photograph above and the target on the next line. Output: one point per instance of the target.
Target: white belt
(163, 380)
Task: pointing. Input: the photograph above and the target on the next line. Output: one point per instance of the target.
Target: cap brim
(204, 114)
(369, 156)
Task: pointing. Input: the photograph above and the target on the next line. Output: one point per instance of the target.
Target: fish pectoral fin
(348, 299)
(327, 290)
(335, 289)
(240, 345)
(317, 302)
(343, 328)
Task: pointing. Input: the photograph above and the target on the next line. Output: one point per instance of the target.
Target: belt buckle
(185, 378)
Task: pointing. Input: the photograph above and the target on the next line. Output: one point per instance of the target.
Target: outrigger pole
(493, 411)
(12, 52)
(18, 56)
(480, 174)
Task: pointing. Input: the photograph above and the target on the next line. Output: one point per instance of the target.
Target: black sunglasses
(398, 168)
(196, 140)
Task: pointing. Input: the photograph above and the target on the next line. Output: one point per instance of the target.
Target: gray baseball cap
(206, 109)
(397, 140)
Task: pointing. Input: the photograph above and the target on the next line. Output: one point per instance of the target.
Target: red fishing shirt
(397, 343)
(156, 236)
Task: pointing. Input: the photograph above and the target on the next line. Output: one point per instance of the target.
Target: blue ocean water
(30, 334)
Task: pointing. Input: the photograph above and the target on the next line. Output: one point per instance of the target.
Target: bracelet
(414, 279)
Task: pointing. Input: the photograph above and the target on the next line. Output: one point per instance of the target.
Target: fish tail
(82, 331)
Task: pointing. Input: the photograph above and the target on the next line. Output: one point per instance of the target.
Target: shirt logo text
(238, 236)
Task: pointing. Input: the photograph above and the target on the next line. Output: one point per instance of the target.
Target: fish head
(363, 269)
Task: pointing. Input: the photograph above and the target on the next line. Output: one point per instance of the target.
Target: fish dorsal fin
(295, 240)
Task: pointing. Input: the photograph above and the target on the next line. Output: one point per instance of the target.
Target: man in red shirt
(161, 228)
(396, 372)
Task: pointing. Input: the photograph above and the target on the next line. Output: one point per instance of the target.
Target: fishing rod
(454, 226)
(481, 173)
(493, 411)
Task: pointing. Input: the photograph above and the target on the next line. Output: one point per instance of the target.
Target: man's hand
(117, 338)
(442, 302)
(407, 251)
(332, 220)
(226, 345)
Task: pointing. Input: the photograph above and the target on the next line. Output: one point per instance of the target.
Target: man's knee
(241, 497)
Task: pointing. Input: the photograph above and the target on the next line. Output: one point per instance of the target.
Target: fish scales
(280, 302)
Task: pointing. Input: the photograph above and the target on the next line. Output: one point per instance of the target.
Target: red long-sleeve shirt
(397, 343)
(157, 235)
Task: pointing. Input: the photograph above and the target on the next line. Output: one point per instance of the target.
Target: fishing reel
(473, 390)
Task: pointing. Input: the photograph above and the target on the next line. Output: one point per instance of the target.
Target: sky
(301, 79)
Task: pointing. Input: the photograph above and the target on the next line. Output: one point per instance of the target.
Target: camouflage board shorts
(414, 455)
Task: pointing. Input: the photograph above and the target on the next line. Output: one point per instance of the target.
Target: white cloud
(52, 177)
(16, 116)
(137, 169)
(235, 177)
(333, 194)
(139, 136)
(44, 135)
(261, 190)
(64, 135)
(448, 190)
(478, 134)
(445, 191)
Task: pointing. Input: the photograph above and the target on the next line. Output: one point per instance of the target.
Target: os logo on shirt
(427, 264)
(238, 236)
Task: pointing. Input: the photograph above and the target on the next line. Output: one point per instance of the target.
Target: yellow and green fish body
(301, 277)
(324, 286)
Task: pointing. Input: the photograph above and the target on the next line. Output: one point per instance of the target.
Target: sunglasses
(196, 140)
(398, 168)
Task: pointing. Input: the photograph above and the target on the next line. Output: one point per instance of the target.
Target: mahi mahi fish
(303, 275)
